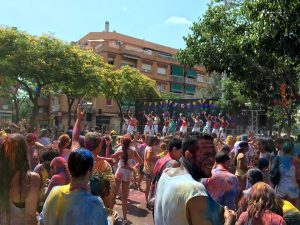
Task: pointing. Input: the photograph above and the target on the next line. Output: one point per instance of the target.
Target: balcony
(190, 81)
(165, 56)
(177, 79)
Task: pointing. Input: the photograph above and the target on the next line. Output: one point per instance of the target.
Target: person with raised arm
(183, 128)
(132, 126)
(156, 121)
(76, 129)
(197, 123)
(148, 127)
(208, 123)
(165, 130)
(224, 125)
(216, 126)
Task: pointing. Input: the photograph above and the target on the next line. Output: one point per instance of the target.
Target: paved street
(138, 214)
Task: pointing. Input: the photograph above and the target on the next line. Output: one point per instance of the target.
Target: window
(176, 70)
(146, 68)
(200, 78)
(161, 87)
(111, 61)
(108, 102)
(147, 51)
(161, 70)
(127, 63)
(191, 73)
(190, 90)
(165, 55)
(177, 88)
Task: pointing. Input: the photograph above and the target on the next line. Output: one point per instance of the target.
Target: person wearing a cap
(241, 163)
(250, 153)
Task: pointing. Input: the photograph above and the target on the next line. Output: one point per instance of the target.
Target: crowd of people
(202, 122)
(188, 178)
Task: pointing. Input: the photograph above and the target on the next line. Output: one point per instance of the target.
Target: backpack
(275, 172)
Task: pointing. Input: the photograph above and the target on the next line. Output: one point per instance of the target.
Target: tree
(169, 95)
(256, 43)
(34, 63)
(11, 91)
(126, 85)
(88, 71)
(213, 89)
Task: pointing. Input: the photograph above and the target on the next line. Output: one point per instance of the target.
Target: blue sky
(160, 21)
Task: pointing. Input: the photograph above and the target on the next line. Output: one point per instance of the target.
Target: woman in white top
(208, 123)
(148, 127)
(127, 164)
(197, 123)
(155, 124)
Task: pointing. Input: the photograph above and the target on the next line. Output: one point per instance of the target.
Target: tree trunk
(121, 115)
(70, 104)
(17, 109)
(35, 111)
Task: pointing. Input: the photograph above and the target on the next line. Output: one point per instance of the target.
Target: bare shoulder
(35, 178)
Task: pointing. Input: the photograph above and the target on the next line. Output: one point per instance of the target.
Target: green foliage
(170, 95)
(128, 84)
(43, 65)
(213, 89)
(257, 44)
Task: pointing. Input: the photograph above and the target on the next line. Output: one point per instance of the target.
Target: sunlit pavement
(138, 214)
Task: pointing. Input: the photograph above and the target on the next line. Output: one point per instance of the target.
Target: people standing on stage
(165, 130)
(172, 126)
(208, 123)
(216, 126)
(149, 125)
(224, 125)
(156, 121)
(183, 128)
(132, 124)
(198, 123)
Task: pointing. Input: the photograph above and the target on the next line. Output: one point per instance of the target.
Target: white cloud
(176, 20)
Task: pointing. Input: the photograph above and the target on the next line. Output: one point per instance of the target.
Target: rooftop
(127, 39)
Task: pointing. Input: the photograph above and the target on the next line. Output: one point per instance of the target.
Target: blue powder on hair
(84, 153)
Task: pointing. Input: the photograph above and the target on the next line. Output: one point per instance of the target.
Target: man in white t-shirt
(180, 198)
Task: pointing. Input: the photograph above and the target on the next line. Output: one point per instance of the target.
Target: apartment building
(156, 61)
